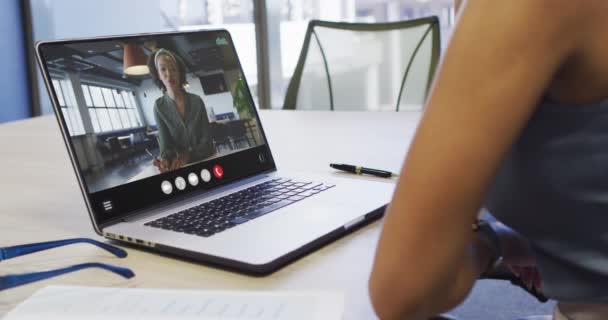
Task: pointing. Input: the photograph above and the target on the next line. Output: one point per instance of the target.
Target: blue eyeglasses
(15, 280)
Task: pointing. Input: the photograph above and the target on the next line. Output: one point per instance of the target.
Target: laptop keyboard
(224, 213)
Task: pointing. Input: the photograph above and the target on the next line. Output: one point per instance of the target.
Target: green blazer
(177, 136)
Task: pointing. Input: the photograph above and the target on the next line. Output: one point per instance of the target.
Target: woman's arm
(165, 141)
(457, 4)
(502, 57)
(204, 147)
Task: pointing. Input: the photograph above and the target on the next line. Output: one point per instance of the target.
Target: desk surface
(41, 201)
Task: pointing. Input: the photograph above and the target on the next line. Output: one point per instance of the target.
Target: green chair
(365, 66)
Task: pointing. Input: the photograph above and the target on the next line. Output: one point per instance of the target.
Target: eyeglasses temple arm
(20, 250)
(11, 281)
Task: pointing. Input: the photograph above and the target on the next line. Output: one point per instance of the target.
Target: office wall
(60, 19)
(14, 86)
(148, 93)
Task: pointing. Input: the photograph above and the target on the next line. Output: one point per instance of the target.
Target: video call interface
(139, 107)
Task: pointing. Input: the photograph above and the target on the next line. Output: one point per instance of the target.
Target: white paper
(88, 303)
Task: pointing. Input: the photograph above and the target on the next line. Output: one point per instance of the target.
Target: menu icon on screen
(107, 205)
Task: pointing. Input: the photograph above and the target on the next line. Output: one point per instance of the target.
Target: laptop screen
(153, 117)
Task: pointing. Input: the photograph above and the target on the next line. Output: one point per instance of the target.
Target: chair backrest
(219, 131)
(237, 128)
(365, 66)
(114, 144)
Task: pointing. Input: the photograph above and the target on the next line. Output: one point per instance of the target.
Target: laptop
(170, 154)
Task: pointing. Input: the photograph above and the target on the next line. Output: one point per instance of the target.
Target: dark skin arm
(457, 4)
(501, 60)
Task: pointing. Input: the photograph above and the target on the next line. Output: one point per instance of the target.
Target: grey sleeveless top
(553, 189)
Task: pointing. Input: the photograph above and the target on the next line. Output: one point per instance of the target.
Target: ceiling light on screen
(135, 61)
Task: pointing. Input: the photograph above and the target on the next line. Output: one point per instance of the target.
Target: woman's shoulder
(193, 96)
(159, 101)
(160, 104)
(544, 12)
(562, 26)
(547, 4)
(195, 99)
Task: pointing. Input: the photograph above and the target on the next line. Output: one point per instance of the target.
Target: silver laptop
(171, 155)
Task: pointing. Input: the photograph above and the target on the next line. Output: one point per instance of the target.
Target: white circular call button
(206, 175)
(193, 179)
(180, 183)
(167, 187)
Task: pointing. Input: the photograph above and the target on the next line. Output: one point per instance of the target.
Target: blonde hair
(166, 53)
(179, 63)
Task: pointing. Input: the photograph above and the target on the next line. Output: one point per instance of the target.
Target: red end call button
(218, 172)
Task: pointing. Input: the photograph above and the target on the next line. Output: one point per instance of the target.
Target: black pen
(362, 170)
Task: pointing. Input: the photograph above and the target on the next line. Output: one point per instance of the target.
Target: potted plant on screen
(241, 100)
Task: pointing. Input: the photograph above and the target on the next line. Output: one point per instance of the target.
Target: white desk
(40, 201)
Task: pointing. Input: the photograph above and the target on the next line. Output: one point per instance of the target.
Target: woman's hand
(180, 161)
(516, 249)
(162, 165)
(529, 275)
(170, 165)
(518, 255)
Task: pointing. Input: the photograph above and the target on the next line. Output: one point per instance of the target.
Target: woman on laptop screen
(183, 125)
